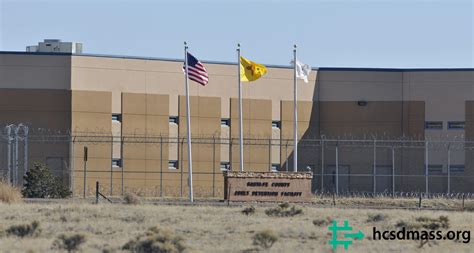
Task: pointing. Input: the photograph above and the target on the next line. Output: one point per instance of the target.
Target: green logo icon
(349, 236)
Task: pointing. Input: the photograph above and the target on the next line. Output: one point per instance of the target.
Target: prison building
(365, 126)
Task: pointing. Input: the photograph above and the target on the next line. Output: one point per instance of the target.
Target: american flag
(196, 70)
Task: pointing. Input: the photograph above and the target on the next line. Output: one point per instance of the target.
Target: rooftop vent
(56, 46)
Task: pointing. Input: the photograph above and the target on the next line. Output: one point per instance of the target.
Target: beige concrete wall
(205, 122)
(359, 85)
(145, 160)
(35, 93)
(91, 116)
(469, 120)
(257, 124)
(44, 111)
(348, 119)
(463, 181)
(308, 128)
(166, 77)
(30, 71)
(443, 92)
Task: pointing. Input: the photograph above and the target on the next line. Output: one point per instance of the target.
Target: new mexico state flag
(250, 71)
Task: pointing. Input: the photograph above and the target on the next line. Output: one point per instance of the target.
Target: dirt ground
(107, 227)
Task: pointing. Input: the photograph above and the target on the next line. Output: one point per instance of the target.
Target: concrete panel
(256, 125)
(49, 110)
(32, 71)
(205, 124)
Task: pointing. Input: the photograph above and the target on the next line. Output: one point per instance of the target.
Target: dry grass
(215, 228)
(9, 194)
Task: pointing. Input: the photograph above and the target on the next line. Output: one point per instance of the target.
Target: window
(276, 124)
(275, 167)
(225, 122)
(116, 163)
(173, 120)
(225, 166)
(456, 125)
(173, 165)
(457, 168)
(434, 125)
(435, 169)
(117, 117)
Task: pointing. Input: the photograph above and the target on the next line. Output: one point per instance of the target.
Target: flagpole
(188, 124)
(295, 125)
(241, 135)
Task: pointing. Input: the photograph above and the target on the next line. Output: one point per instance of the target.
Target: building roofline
(392, 69)
(232, 63)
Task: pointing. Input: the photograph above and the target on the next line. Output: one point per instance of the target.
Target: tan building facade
(132, 104)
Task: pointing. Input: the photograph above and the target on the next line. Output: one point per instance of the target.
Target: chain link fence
(157, 166)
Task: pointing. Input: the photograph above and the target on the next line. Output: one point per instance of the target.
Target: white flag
(302, 70)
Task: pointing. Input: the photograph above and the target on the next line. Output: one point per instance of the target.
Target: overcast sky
(329, 33)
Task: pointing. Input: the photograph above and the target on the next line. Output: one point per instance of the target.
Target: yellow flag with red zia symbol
(251, 71)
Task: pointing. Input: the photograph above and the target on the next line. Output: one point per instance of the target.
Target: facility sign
(268, 186)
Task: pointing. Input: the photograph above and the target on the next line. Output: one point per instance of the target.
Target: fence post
(322, 164)
(393, 171)
(426, 167)
(111, 163)
(181, 168)
(85, 171)
(122, 140)
(286, 155)
(15, 171)
(337, 168)
(161, 165)
(72, 161)
(9, 154)
(375, 167)
(213, 166)
(449, 168)
(270, 154)
(419, 201)
(25, 151)
(230, 150)
(97, 192)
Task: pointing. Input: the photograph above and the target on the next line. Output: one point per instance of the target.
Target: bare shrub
(283, 210)
(426, 223)
(434, 224)
(131, 198)
(284, 205)
(29, 230)
(265, 239)
(322, 222)
(70, 243)
(376, 217)
(9, 194)
(156, 239)
(249, 210)
(108, 250)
